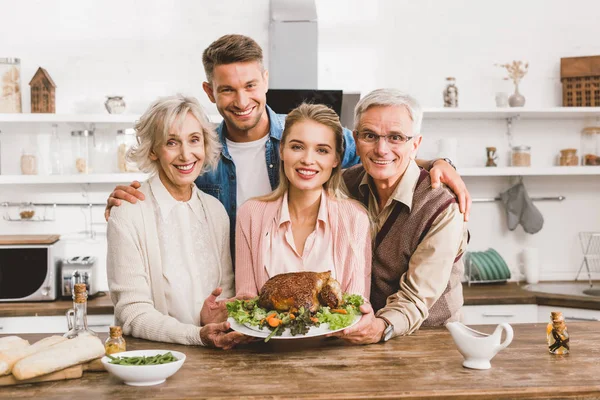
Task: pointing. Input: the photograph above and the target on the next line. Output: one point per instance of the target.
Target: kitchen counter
(561, 294)
(476, 294)
(97, 305)
(423, 365)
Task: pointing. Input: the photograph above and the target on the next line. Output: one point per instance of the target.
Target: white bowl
(144, 375)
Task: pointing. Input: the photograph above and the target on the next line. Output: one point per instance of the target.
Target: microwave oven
(28, 267)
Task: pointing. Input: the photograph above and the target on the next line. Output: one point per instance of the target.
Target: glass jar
(115, 342)
(10, 85)
(28, 162)
(26, 211)
(81, 150)
(590, 145)
(126, 139)
(568, 157)
(115, 104)
(521, 156)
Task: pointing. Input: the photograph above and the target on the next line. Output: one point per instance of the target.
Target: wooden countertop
(477, 294)
(423, 365)
(512, 293)
(97, 305)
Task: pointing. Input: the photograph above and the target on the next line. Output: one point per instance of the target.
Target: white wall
(140, 49)
(413, 45)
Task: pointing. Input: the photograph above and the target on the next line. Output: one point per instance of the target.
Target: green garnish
(141, 360)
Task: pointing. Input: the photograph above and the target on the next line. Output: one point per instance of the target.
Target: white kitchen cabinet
(51, 324)
(570, 314)
(495, 314)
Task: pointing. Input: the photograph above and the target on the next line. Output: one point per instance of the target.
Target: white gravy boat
(476, 347)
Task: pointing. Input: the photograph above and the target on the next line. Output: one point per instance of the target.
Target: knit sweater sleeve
(130, 290)
(245, 282)
(221, 221)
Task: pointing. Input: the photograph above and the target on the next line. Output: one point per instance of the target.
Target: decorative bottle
(451, 93)
(77, 316)
(115, 342)
(557, 335)
(55, 155)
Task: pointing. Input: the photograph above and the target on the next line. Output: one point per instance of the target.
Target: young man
(237, 83)
(421, 234)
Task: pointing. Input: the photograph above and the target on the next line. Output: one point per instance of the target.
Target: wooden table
(424, 365)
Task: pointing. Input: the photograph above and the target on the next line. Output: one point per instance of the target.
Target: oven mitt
(521, 210)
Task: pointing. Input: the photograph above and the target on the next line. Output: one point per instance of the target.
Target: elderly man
(421, 234)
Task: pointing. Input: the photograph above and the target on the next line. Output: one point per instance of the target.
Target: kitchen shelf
(504, 113)
(529, 171)
(81, 118)
(81, 178)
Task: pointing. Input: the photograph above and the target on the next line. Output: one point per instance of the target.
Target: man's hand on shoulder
(443, 172)
(129, 193)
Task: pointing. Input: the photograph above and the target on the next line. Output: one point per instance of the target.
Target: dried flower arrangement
(516, 70)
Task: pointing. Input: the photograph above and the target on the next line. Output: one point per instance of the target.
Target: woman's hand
(213, 310)
(128, 193)
(216, 335)
(442, 172)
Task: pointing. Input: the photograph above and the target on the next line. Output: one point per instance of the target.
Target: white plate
(144, 375)
(313, 331)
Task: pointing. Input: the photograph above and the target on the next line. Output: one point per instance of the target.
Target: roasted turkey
(289, 292)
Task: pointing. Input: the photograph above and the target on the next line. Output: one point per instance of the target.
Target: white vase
(516, 99)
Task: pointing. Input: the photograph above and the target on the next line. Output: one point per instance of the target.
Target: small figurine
(491, 157)
(451, 93)
(556, 333)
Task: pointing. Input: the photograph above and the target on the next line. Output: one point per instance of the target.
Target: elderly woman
(168, 253)
(306, 223)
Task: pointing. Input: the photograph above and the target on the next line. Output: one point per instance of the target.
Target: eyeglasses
(394, 139)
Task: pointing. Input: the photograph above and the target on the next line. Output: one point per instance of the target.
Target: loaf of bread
(63, 355)
(8, 358)
(12, 342)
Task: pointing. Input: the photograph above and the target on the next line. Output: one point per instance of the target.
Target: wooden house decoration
(42, 92)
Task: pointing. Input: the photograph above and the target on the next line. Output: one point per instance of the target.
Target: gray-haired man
(421, 234)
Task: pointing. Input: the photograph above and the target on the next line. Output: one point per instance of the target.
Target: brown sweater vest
(398, 239)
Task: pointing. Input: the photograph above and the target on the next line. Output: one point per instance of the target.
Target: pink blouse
(350, 240)
(281, 253)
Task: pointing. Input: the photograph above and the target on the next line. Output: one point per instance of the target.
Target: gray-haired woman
(167, 255)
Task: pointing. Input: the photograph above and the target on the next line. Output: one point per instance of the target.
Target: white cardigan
(134, 267)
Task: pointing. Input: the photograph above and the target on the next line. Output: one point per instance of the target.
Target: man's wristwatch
(388, 331)
(449, 161)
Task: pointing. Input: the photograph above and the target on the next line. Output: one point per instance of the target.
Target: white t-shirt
(250, 168)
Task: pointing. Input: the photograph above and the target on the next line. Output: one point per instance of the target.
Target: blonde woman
(306, 223)
(167, 254)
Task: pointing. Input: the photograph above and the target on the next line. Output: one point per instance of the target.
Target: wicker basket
(580, 77)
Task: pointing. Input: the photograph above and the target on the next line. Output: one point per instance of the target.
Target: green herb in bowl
(142, 360)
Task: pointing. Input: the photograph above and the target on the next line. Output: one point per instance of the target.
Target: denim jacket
(221, 182)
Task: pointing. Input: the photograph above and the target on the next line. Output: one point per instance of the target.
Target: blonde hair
(152, 131)
(323, 115)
